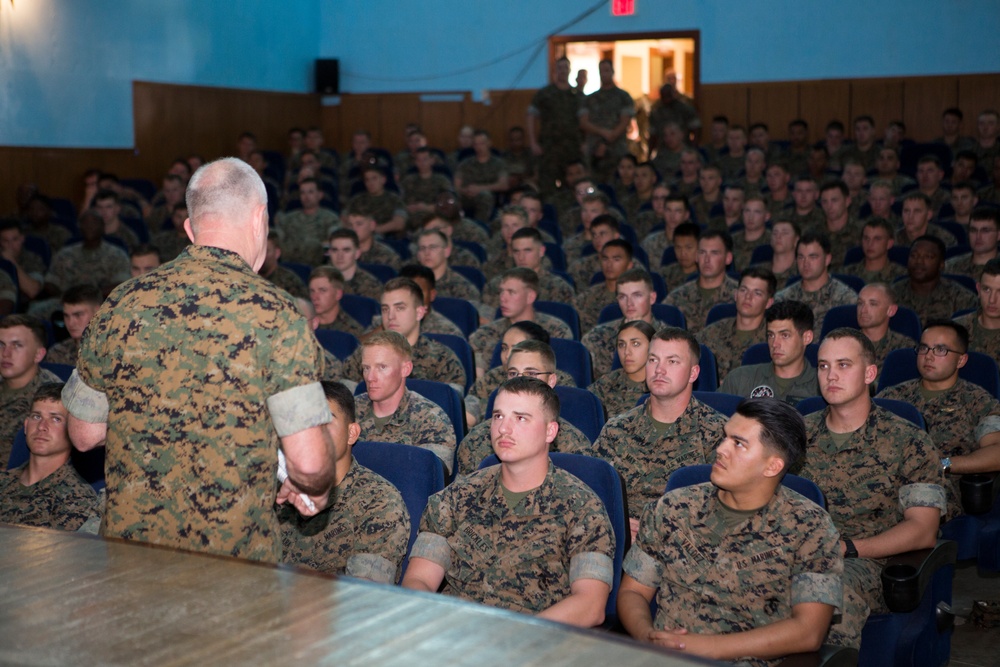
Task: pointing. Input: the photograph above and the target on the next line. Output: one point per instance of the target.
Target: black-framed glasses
(528, 374)
(938, 350)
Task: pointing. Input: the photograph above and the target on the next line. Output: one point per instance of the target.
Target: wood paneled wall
(917, 101)
(172, 121)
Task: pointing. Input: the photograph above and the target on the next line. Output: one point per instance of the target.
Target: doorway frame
(694, 35)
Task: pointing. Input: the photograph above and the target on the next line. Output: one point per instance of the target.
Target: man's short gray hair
(224, 189)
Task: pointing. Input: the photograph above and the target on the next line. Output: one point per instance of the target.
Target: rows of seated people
(758, 252)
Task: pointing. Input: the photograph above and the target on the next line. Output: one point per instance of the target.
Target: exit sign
(622, 7)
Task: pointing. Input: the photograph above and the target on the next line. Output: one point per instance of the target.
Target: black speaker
(327, 76)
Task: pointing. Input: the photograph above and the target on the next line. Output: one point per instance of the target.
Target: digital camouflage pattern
(941, 303)
(364, 283)
(455, 285)
(473, 172)
(630, 443)
(344, 322)
(728, 343)
(582, 269)
(617, 392)
(486, 337)
(602, 343)
(981, 339)
(833, 293)
(887, 274)
(559, 133)
(716, 580)
(363, 533)
(64, 352)
(885, 467)
(289, 281)
(522, 559)
(760, 381)
(956, 420)
(106, 264)
(963, 266)
(380, 253)
(15, 404)
(674, 274)
(605, 107)
(303, 235)
(743, 249)
(903, 241)
(694, 304)
(197, 367)
(417, 421)
(842, 239)
(418, 190)
(812, 220)
(433, 322)
(383, 208)
(431, 361)
(476, 445)
(550, 288)
(590, 302)
(62, 500)
(490, 381)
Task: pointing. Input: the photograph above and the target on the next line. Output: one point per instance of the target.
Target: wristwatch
(850, 551)
(946, 465)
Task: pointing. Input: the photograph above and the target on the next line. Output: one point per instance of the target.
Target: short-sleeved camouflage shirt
(522, 559)
(198, 367)
(477, 445)
(711, 579)
(630, 443)
(417, 421)
(62, 500)
(363, 533)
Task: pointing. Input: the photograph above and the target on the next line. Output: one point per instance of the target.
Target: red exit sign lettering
(622, 7)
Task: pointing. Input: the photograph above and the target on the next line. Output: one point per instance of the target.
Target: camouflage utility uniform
(417, 421)
(477, 445)
(197, 368)
(728, 343)
(617, 392)
(363, 533)
(303, 235)
(833, 293)
(523, 558)
(486, 337)
(695, 302)
(15, 404)
(62, 500)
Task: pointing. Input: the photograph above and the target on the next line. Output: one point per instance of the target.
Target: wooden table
(68, 599)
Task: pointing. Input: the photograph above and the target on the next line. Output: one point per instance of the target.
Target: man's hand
(306, 505)
(679, 640)
(633, 526)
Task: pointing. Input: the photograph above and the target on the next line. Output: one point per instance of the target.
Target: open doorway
(642, 63)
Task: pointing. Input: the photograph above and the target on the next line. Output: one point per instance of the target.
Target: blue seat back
(699, 474)
(361, 308)
(564, 311)
(303, 271)
(720, 311)
(339, 343)
(905, 321)
(461, 312)
(383, 272)
(472, 274)
(571, 357)
(415, 471)
(901, 365)
(609, 486)
(62, 371)
(462, 350)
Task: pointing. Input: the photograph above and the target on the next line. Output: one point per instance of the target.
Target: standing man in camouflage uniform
(741, 567)
(730, 337)
(47, 491)
(192, 408)
(669, 431)
(984, 324)
(365, 530)
(22, 348)
(713, 285)
(788, 376)
(553, 129)
(879, 472)
(388, 411)
(604, 118)
(962, 418)
(522, 535)
(817, 289)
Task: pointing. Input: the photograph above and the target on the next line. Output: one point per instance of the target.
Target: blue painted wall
(67, 66)
(396, 45)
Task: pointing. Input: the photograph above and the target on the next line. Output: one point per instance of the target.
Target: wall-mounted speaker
(328, 76)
